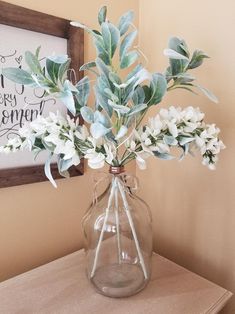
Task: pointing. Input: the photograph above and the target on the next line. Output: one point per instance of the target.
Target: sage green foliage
(178, 72)
(120, 102)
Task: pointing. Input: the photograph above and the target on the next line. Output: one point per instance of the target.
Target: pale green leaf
(172, 54)
(87, 114)
(129, 59)
(208, 93)
(102, 15)
(137, 109)
(98, 130)
(158, 88)
(125, 22)
(18, 76)
(126, 43)
(83, 89)
(32, 62)
(47, 170)
(164, 156)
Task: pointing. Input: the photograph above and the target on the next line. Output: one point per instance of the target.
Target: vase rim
(116, 169)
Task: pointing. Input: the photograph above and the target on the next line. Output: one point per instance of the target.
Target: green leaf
(102, 15)
(129, 59)
(158, 87)
(87, 66)
(101, 118)
(125, 21)
(122, 132)
(126, 43)
(66, 97)
(115, 79)
(112, 96)
(119, 108)
(138, 78)
(197, 59)
(208, 93)
(98, 130)
(63, 165)
(147, 93)
(170, 140)
(177, 66)
(102, 101)
(136, 109)
(138, 96)
(32, 62)
(83, 88)
(185, 139)
(136, 70)
(87, 114)
(164, 156)
(18, 76)
(184, 78)
(184, 47)
(186, 88)
(102, 67)
(111, 37)
(63, 69)
(47, 170)
(172, 54)
(37, 52)
(101, 50)
(53, 70)
(178, 45)
(58, 59)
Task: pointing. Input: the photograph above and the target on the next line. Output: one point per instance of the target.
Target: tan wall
(193, 208)
(37, 222)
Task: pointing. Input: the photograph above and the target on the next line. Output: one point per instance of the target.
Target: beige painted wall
(193, 208)
(37, 222)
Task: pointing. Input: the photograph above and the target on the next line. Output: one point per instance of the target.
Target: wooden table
(61, 287)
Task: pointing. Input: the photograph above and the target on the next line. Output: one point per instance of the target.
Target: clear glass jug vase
(118, 236)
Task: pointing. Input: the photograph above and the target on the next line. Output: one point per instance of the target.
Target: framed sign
(23, 29)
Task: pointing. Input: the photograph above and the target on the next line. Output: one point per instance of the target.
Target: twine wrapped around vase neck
(116, 169)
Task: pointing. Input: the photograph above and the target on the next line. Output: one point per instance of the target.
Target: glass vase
(118, 236)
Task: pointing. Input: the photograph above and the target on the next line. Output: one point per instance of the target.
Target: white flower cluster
(53, 133)
(102, 151)
(63, 137)
(176, 127)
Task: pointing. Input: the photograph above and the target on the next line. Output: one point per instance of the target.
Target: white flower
(148, 142)
(155, 125)
(192, 114)
(110, 152)
(66, 148)
(53, 138)
(162, 148)
(206, 162)
(200, 141)
(95, 160)
(173, 129)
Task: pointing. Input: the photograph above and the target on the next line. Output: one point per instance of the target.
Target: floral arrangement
(114, 132)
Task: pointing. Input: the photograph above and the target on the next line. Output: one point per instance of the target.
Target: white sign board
(21, 104)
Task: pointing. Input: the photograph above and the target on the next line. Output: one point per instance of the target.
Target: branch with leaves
(121, 102)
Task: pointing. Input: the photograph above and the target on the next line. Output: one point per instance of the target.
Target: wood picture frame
(20, 17)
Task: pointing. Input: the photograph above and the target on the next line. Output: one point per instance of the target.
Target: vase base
(119, 280)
